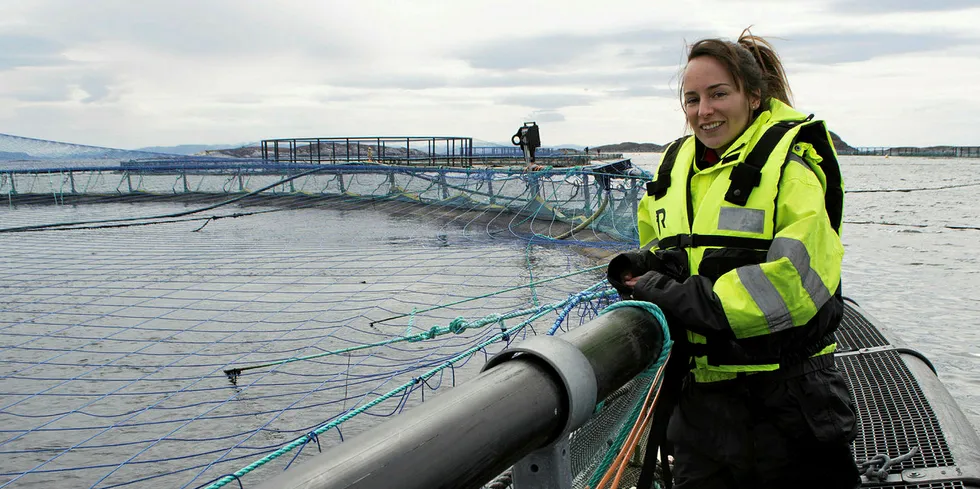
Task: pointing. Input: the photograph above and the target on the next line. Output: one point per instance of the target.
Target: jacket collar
(777, 112)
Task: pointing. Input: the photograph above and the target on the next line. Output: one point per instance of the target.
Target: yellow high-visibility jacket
(761, 229)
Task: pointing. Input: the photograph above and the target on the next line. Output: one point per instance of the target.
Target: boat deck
(903, 405)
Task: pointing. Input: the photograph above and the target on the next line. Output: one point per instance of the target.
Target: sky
(135, 73)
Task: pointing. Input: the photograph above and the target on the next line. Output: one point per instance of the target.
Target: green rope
(457, 326)
(411, 322)
(536, 313)
(532, 284)
(530, 273)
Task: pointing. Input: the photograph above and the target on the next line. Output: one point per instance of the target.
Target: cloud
(203, 29)
(547, 101)
(545, 116)
(879, 6)
(97, 88)
(60, 84)
(643, 91)
(540, 52)
(380, 78)
(637, 47)
(18, 51)
(170, 71)
(834, 48)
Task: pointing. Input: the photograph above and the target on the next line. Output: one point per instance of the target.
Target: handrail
(467, 436)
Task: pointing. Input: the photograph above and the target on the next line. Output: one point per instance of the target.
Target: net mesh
(334, 296)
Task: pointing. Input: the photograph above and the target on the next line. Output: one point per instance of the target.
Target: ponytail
(773, 74)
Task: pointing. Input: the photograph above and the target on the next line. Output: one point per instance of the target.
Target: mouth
(711, 126)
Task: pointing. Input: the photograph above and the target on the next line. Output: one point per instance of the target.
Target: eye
(719, 94)
(690, 101)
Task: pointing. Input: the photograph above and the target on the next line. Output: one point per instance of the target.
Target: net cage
(197, 324)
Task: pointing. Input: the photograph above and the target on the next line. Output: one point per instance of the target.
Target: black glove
(691, 303)
(627, 265)
(673, 263)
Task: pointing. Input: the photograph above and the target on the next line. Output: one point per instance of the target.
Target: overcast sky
(133, 73)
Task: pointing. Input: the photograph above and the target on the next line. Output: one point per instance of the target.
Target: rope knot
(458, 325)
(311, 436)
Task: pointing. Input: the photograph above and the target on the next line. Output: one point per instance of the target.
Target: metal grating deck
(857, 332)
(894, 415)
(929, 485)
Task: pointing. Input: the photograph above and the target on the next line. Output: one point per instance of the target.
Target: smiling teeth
(708, 127)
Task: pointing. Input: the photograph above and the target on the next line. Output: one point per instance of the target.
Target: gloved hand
(628, 266)
(691, 303)
(633, 264)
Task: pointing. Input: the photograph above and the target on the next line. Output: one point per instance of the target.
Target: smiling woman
(741, 249)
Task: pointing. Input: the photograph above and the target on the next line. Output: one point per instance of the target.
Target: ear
(755, 99)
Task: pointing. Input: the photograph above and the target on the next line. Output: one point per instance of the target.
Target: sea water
(114, 340)
(110, 335)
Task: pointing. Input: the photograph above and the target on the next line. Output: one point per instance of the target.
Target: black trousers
(762, 431)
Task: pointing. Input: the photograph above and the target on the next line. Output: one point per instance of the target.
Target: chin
(715, 142)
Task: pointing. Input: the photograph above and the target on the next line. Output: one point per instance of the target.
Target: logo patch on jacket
(661, 219)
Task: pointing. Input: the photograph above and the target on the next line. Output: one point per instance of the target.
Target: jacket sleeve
(802, 268)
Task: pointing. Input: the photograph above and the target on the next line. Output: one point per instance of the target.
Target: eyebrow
(712, 87)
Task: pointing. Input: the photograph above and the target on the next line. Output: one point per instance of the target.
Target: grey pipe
(467, 436)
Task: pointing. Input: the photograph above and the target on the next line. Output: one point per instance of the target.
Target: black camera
(528, 139)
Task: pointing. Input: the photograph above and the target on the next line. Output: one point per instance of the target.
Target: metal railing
(450, 150)
(935, 151)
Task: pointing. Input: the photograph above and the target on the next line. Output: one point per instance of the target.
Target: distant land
(253, 150)
(630, 147)
(9, 155)
(192, 149)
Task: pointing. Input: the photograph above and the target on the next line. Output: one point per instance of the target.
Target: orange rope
(618, 467)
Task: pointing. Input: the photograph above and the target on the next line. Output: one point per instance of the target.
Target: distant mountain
(630, 147)
(191, 149)
(477, 143)
(840, 145)
(10, 155)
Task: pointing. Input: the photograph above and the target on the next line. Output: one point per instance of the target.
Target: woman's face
(716, 111)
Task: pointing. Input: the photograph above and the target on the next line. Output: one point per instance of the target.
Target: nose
(704, 108)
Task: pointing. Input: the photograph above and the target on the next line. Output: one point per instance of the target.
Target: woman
(742, 224)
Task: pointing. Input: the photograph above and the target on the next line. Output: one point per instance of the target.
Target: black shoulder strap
(747, 174)
(816, 134)
(658, 187)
